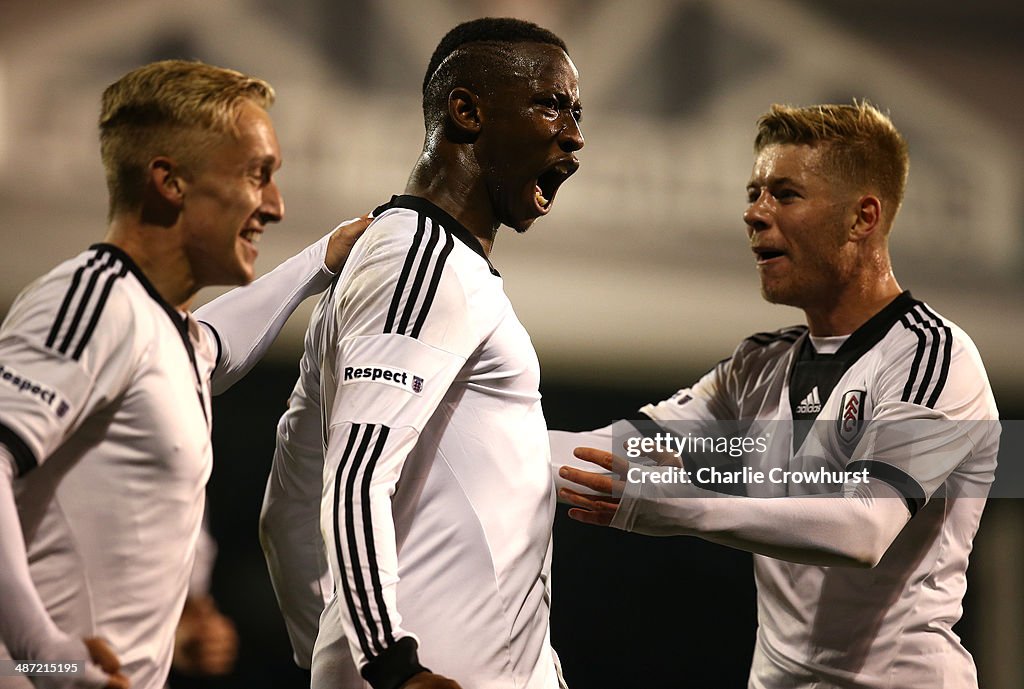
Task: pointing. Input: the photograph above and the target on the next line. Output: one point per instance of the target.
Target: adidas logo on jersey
(810, 404)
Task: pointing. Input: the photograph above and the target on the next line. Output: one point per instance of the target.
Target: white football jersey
(105, 406)
(418, 401)
(906, 396)
(105, 400)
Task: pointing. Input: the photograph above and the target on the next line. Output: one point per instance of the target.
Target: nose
(570, 139)
(758, 214)
(272, 207)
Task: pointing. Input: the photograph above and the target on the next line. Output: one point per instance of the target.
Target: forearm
(25, 626)
(360, 533)
(247, 319)
(853, 529)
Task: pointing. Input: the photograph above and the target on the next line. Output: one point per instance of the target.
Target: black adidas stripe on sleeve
(424, 264)
(365, 444)
(930, 367)
(78, 301)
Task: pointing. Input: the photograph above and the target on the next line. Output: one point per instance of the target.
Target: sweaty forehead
(543, 64)
(787, 161)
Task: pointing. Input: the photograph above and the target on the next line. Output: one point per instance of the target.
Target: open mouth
(549, 181)
(765, 254)
(252, 235)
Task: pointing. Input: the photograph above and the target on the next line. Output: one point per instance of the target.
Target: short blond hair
(861, 145)
(173, 108)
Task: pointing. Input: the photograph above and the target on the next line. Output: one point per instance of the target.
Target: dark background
(628, 610)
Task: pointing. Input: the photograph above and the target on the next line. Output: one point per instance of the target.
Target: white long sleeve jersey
(418, 405)
(905, 397)
(105, 408)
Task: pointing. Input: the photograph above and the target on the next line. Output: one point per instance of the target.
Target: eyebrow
(261, 161)
(775, 181)
(565, 100)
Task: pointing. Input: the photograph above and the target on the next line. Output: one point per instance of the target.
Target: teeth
(252, 236)
(539, 196)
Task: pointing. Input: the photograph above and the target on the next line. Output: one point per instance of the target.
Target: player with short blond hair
(106, 377)
(859, 583)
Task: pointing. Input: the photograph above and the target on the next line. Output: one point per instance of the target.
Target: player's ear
(868, 218)
(165, 180)
(464, 115)
(164, 194)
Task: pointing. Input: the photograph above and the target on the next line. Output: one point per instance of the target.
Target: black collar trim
(421, 205)
(866, 336)
(180, 322)
(117, 251)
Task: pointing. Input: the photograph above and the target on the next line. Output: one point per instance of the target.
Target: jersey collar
(180, 322)
(871, 333)
(421, 205)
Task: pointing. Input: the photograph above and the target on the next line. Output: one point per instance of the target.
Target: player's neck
(455, 187)
(852, 307)
(159, 254)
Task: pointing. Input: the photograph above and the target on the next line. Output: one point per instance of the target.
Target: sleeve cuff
(912, 492)
(392, 668)
(24, 459)
(632, 492)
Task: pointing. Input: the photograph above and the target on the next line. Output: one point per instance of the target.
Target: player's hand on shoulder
(428, 680)
(340, 243)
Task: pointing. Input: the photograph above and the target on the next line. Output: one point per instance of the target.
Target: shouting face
(531, 130)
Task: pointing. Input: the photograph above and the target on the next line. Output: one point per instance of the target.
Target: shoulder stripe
(83, 303)
(425, 262)
(69, 296)
(934, 340)
(947, 356)
(100, 303)
(410, 259)
(909, 387)
(80, 302)
(417, 285)
(365, 608)
(449, 244)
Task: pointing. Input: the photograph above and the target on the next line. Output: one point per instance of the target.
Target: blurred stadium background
(638, 282)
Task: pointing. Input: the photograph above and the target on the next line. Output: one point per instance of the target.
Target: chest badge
(851, 415)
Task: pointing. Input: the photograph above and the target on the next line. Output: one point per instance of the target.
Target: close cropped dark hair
(490, 30)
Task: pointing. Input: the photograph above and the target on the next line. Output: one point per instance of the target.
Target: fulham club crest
(851, 415)
(417, 384)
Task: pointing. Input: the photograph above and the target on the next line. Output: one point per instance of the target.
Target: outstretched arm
(852, 528)
(247, 320)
